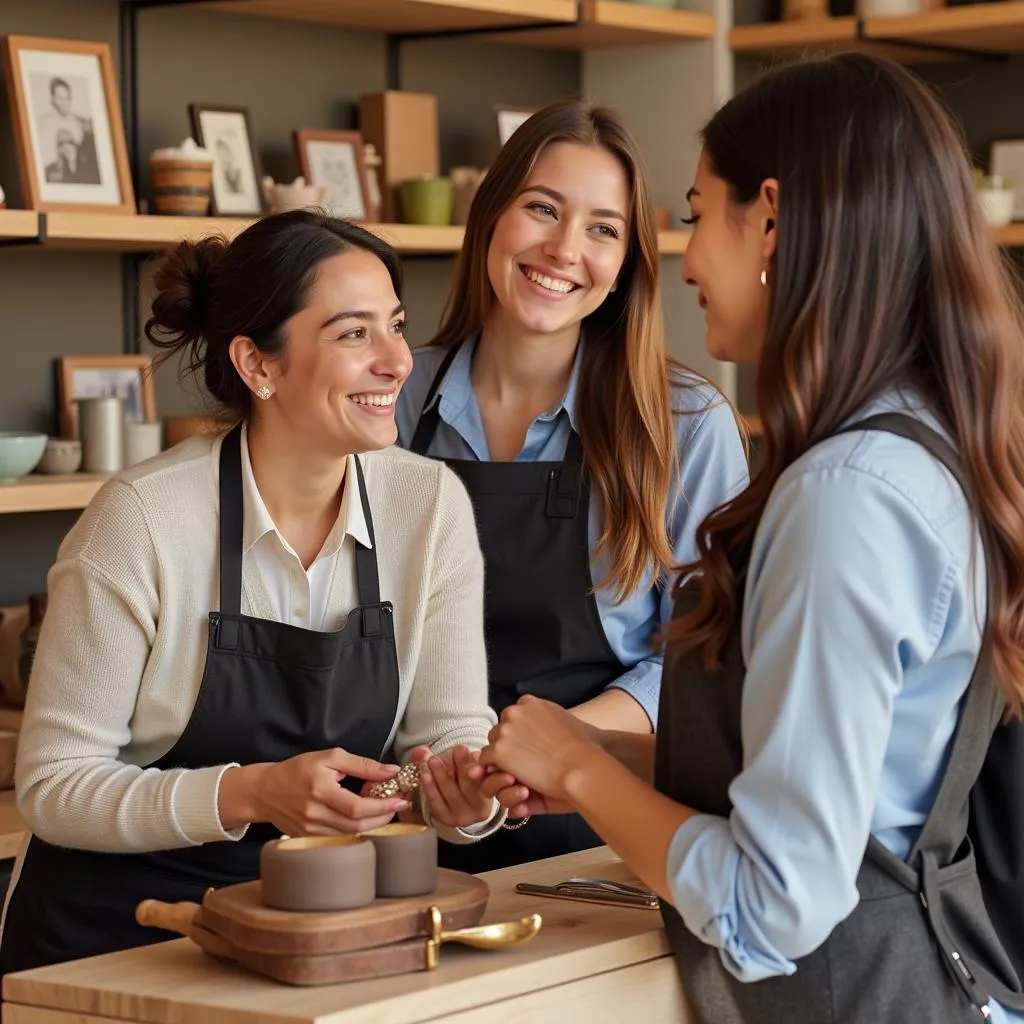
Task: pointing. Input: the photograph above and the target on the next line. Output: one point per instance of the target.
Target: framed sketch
(227, 133)
(127, 377)
(68, 129)
(1006, 158)
(336, 161)
(509, 119)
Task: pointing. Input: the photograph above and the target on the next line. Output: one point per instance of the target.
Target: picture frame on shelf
(336, 161)
(509, 119)
(68, 129)
(128, 377)
(227, 132)
(1006, 159)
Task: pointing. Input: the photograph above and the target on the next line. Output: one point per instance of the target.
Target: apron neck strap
(367, 577)
(231, 515)
(430, 416)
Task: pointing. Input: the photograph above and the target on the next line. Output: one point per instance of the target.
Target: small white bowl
(997, 205)
(62, 455)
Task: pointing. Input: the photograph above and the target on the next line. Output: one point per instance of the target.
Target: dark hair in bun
(211, 291)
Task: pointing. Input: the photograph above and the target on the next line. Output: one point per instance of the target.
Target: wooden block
(403, 127)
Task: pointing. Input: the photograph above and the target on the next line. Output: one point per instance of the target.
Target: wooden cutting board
(387, 937)
(237, 914)
(318, 969)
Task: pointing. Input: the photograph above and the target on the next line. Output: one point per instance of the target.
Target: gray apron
(919, 946)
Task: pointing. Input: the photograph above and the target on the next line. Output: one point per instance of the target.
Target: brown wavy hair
(623, 409)
(885, 275)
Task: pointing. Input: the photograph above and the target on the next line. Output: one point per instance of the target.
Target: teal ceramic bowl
(19, 454)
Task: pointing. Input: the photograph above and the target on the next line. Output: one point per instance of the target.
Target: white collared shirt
(299, 596)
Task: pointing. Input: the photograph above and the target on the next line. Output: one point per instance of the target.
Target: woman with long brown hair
(852, 631)
(589, 456)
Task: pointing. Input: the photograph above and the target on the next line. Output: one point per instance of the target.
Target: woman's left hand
(452, 790)
(539, 743)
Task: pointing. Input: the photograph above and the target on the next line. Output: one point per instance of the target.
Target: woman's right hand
(303, 796)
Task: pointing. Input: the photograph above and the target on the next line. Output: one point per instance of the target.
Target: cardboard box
(403, 127)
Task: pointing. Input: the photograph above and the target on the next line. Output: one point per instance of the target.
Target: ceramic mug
(322, 873)
(406, 859)
(427, 201)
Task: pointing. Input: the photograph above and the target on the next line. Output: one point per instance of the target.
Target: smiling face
(729, 248)
(344, 361)
(557, 249)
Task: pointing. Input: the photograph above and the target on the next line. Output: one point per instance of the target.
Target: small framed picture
(68, 130)
(509, 119)
(127, 377)
(1006, 158)
(227, 133)
(336, 161)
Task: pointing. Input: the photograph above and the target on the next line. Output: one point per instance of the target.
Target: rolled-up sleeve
(848, 585)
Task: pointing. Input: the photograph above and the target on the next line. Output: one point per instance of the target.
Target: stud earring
(764, 278)
(264, 392)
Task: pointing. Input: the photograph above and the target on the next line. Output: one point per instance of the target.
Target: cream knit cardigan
(123, 644)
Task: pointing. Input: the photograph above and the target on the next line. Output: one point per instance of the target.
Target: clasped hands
(527, 766)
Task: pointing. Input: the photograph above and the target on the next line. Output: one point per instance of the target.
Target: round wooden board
(237, 914)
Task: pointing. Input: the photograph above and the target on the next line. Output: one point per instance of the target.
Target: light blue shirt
(711, 468)
(860, 633)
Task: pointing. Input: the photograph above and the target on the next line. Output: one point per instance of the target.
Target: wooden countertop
(12, 829)
(588, 962)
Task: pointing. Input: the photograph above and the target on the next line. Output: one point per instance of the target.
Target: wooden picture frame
(336, 161)
(509, 119)
(128, 376)
(68, 129)
(226, 131)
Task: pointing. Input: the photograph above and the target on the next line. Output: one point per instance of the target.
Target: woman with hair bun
(164, 742)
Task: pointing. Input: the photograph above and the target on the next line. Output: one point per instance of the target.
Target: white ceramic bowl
(997, 205)
(62, 455)
(19, 454)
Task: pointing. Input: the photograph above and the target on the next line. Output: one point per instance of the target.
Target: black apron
(919, 946)
(269, 691)
(543, 628)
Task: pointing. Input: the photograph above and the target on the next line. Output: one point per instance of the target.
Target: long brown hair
(623, 410)
(885, 276)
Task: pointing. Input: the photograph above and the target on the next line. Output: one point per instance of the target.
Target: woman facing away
(590, 456)
(847, 640)
(240, 629)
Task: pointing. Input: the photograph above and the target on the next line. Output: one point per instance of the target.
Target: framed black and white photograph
(1006, 160)
(227, 133)
(336, 161)
(509, 119)
(128, 377)
(67, 125)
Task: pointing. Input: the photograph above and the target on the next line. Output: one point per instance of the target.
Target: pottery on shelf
(62, 455)
(182, 179)
(20, 453)
(295, 195)
(427, 200)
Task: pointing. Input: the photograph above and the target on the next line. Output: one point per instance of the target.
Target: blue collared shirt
(860, 634)
(711, 468)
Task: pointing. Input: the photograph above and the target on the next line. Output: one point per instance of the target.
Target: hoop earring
(764, 278)
(263, 392)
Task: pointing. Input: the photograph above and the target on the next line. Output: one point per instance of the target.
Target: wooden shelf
(405, 16)
(18, 223)
(12, 828)
(39, 493)
(1011, 236)
(113, 232)
(984, 28)
(607, 23)
(781, 40)
(673, 243)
